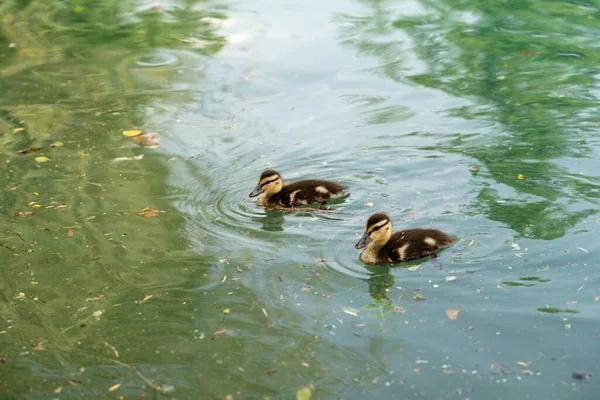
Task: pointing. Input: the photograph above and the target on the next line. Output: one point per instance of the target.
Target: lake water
(476, 118)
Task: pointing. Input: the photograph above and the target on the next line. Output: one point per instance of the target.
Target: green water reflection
(478, 118)
(531, 71)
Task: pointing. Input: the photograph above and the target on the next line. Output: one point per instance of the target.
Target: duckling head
(269, 183)
(377, 231)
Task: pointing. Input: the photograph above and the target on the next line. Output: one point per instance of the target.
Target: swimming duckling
(385, 247)
(276, 194)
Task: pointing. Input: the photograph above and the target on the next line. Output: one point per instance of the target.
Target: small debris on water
(580, 376)
(452, 314)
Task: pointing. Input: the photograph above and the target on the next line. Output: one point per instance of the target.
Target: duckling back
(411, 244)
(305, 192)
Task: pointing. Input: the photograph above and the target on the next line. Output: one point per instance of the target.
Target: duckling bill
(276, 194)
(384, 247)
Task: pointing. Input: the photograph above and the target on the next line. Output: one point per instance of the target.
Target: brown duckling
(385, 247)
(276, 194)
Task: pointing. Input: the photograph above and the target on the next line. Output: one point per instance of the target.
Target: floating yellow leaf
(42, 159)
(20, 296)
(226, 311)
(304, 394)
(131, 133)
(57, 144)
(520, 177)
(147, 297)
(149, 212)
(114, 387)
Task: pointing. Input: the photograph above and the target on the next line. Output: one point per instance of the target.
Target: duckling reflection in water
(276, 194)
(380, 282)
(384, 247)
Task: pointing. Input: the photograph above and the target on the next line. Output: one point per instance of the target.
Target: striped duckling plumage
(311, 191)
(384, 247)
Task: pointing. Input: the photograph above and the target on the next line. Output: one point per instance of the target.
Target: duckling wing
(411, 244)
(311, 191)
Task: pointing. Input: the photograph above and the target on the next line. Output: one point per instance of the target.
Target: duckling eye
(268, 182)
(379, 227)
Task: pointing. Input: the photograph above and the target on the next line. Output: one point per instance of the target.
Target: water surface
(479, 119)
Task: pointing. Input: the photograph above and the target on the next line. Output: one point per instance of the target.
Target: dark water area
(476, 118)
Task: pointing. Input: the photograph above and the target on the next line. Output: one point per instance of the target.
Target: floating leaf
(146, 298)
(452, 314)
(114, 387)
(221, 331)
(519, 177)
(226, 311)
(350, 311)
(304, 394)
(42, 159)
(30, 150)
(554, 310)
(57, 144)
(534, 278)
(131, 133)
(149, 212)
(20, 296)
(508, 283)
(70, 233)
(24, 213)
(146, 138)
(418, 297)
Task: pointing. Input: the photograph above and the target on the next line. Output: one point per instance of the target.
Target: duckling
(385, 247)
(276, 194)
